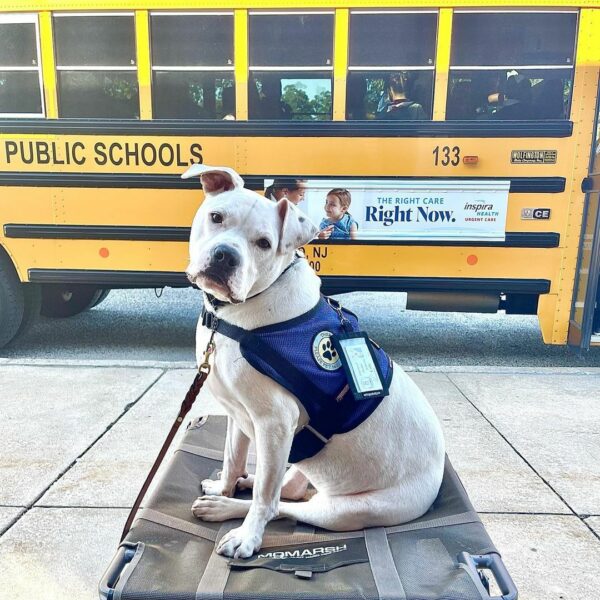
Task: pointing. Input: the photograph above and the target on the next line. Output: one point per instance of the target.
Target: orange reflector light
(470, 160)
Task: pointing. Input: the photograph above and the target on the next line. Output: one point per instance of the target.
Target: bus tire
(12, 301)
(63, 300)
(101, 297)
(32, 305)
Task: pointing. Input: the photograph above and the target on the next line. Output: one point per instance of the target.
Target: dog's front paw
(210, 487)
(239, 543)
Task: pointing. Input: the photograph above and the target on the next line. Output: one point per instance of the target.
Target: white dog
(386, 471)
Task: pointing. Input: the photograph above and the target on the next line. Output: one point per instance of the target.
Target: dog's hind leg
(294, 486)
(220, 508)
(378, 508)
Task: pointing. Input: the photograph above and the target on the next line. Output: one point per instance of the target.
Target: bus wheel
(101, 297)
(12, 303)
(60, 301)
(32, 306)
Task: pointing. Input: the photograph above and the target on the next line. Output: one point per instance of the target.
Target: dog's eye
(263, 243)
(216, 217)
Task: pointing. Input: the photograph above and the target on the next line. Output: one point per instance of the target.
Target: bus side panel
(29, 205)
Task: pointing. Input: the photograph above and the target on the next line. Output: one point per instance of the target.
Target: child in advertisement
(339, 224)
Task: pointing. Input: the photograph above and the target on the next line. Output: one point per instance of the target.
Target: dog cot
(170, 555)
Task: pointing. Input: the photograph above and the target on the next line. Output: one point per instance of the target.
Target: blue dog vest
(298, 354)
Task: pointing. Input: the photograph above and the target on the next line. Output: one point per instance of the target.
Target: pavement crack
(81, 506)
(123, 412)
(520, 455)
(525, 512)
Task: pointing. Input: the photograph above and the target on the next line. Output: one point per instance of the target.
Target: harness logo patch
(324, 352)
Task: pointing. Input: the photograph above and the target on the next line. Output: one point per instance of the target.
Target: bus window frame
(473, 68)
(293, 69)
(27, 18)
(230, 68)
(70, 68)
(393, 68)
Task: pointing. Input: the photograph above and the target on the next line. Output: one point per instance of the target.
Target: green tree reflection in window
(303, 108)
(120, 89)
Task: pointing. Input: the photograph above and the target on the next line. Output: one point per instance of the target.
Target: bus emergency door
(584, 328)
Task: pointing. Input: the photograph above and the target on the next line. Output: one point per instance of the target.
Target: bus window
(291, 64)
(289, 95)
(192, 66)
(388, 79)
(497, 71)
(406, 95)
(95, 63)
(20, 79)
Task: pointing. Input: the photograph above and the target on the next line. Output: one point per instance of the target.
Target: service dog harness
(299, 355)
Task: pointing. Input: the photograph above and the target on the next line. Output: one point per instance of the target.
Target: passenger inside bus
(265, 101)
(396, 104)
(505, 95)
(513, 99)
(368, 95)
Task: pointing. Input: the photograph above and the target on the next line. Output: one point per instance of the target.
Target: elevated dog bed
(169, 555)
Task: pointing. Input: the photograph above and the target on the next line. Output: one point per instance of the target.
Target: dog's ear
(296, 228)
(215, 180)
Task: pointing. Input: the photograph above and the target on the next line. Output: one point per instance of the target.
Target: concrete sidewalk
(77, 439)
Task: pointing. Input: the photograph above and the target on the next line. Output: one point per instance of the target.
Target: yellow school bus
(465, 135)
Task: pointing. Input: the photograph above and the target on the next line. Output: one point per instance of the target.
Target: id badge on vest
(360, 365)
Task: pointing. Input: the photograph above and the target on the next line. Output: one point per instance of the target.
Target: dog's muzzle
(223, 260)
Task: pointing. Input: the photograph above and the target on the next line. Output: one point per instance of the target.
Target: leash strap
(186, 405)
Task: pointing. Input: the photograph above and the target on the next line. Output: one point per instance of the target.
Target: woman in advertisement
(291, 188)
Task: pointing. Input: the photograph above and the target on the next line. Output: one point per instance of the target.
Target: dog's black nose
(225, 257)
